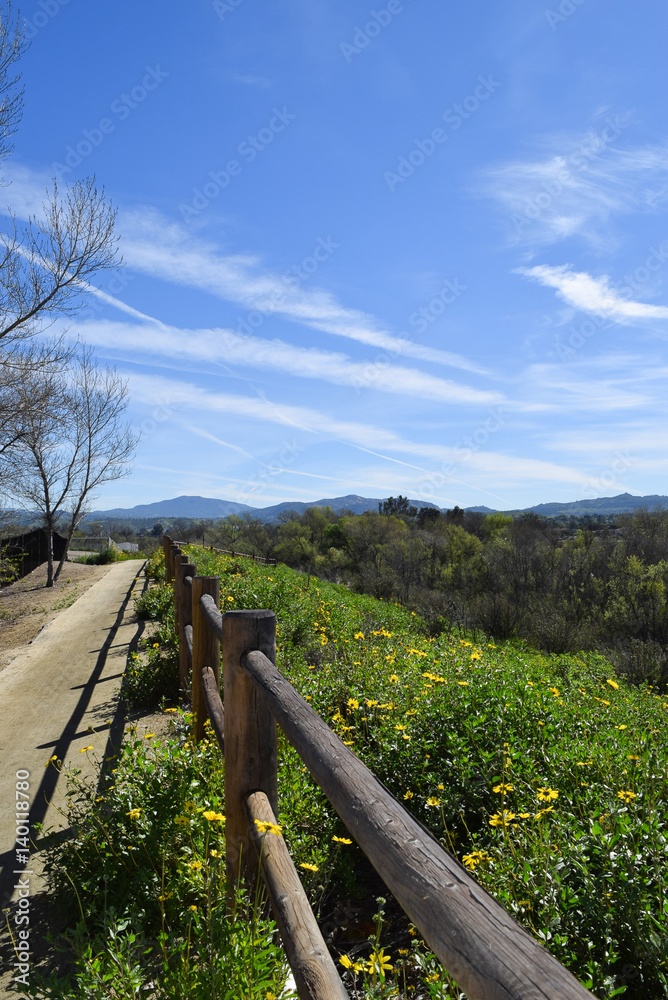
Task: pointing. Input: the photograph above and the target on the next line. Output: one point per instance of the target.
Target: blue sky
(417, 248)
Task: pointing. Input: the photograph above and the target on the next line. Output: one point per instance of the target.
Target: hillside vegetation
(578, 584)
(544, 774)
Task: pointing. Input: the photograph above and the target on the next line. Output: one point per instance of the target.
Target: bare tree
(35, 462)
(23, 364)
(47, 264)
(102, 444)
(12, 47)
(69, 447)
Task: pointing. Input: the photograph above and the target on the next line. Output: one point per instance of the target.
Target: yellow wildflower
(347, 964)
(475, 858)
(265, 827)
(547, 794)
(501, 818)
(134, 813)
(308, 867)
(379, 962)
(341, 840)
(212, 816)
(613, 684)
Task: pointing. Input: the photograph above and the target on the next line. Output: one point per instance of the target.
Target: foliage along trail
(544, 775)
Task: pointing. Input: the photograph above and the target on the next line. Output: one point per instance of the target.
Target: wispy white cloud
(594, 295)
(574, 185)
(505, 469)
(230, 348)
(167, 250)
(565, 388)
(192, 429)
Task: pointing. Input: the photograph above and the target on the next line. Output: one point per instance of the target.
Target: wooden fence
(232, 552)
(487, 952)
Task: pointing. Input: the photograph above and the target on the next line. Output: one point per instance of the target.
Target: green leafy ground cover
(142, 881)
(544, 775)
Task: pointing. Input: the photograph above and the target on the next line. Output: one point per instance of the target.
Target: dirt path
(26, 605)
(57, 696)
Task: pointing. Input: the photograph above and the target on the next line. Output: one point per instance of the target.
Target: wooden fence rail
(266, 560)
(488, 953)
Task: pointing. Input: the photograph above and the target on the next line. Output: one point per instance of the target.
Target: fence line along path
(481, 945)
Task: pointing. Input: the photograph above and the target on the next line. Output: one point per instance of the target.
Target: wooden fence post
(206, 648)
(185, 617)
(250, 736)
(169, 569)
(176, 556)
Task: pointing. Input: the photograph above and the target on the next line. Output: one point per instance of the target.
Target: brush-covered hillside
(545, 775)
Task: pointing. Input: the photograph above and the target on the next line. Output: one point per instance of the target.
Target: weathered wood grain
(250, 735)
(206, 647)
(177, 556)
(184, 605)
(487, 952)
(212, 615)
(188, 636)
(314, 971)
(214, 705)
(169, 572)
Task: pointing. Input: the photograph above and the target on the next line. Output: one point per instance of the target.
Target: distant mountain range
(625, 503)
(208, 507)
